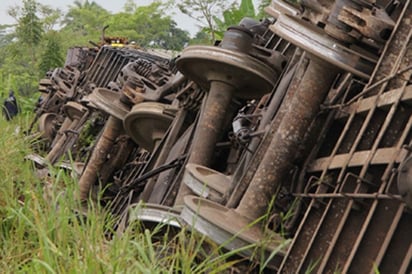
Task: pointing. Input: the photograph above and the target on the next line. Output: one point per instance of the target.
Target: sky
(183, 21)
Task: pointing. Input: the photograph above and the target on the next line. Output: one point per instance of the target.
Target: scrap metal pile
(295, 127)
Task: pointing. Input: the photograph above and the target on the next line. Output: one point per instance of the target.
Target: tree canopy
(41, 35)
(215, 16)
(148, 27)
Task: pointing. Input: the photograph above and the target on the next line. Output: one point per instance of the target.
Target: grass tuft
(42, 230)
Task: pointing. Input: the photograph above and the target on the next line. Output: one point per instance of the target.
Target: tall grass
(41, 230)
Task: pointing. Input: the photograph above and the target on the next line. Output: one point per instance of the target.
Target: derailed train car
(292, 134)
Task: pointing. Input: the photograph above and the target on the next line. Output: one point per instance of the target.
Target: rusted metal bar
(237, 190)
(343, 250)
(389, 235)
(61, 132)
(235, 66)
(210, 123)
(406, 263)
(112, 130)
(349, 195)
(208, 129)
(77, 114)
(357, 159)
(377, 140)
(289, 136)
(175, 128)
(247, 174)
(384, 100)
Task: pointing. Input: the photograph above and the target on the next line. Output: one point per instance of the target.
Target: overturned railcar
(292, 136)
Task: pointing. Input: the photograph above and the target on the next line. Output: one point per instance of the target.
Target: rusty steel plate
(152, 213)
(206, 182)
(44, 85)
(228, 228)
(47, 126)
(76, 167)
(313, 40)
(41, 162)
(278, 7)
(108, 101)
(37, 160)
(74, 110)
(405, 181)
(45, 82)
(250, 77)
(147, 123)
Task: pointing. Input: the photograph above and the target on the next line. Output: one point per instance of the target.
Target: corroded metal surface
(148, 122)
(355, 216)
(109, 102)
(237, 69)
(292, 134)
(313, 40)
(112, 130)
(47, 126)
(206, 182)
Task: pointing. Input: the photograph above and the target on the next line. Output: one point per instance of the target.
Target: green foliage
(49, 17)
(6, 36)
(42, 229)
(233, 16)
(204, 11)
(29, 28)
(148, 26)
(51, 57)
(262, 5)
(215, 16)
(18, 74)
(130, 6)
(376, 269)
(22, 44)
(201, 38)
(84, 22)
(27, 103)
(31, 47)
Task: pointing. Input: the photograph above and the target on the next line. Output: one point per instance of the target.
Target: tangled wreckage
(293, 134)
